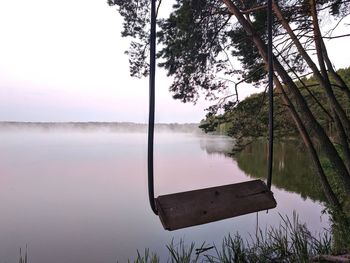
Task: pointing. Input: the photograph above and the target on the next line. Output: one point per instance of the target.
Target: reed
(146, 257)
(24, 258)
(291, 241)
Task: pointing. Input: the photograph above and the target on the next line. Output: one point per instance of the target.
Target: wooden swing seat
(203, 206)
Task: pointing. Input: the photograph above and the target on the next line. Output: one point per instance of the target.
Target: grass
(290, 242)
(24, 258)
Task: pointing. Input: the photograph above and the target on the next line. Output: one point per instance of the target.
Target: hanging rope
(270, 92)
(152, 75)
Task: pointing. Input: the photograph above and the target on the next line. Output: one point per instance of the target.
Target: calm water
(82, 197)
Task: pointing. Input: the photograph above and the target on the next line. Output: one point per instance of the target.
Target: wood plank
(203, 206)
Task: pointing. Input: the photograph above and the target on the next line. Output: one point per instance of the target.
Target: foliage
(341, 232)
(198, 39)
(136, 24)
(249, 118)
(291, 241)
(201, 39)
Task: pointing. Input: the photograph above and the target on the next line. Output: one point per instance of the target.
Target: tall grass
(24, 258)
(291, 241)
(146, 257)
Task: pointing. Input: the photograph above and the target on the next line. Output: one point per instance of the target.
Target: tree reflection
(292, 169)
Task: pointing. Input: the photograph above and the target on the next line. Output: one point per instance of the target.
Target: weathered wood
(203, 206)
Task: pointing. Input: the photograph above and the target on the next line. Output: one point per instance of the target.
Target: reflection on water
(216, 144)
(292, 169)
(82, 197)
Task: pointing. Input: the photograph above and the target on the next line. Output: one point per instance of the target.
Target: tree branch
(340, 36)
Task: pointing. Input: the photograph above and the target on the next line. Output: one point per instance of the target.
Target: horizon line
(90, 122)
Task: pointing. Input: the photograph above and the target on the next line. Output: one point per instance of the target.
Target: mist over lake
(79, 193)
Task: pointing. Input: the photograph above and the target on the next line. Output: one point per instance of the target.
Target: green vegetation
(290, 242)
(248, 120)
(292, 169)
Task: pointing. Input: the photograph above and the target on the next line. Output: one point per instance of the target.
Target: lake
(75, 196)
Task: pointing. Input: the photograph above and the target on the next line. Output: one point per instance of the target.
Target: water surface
(82, 196)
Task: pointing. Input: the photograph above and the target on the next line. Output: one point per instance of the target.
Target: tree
(248, 119)
(201, 39)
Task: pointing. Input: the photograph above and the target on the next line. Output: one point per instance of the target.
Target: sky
(64, 61)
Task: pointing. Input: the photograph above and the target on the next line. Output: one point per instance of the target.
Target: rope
(152, 75)
(270, 92)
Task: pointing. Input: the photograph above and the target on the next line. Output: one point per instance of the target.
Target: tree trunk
(343, 142)
(327, 189)
(334, 102)
(310, 120)
(307, 89)
(319, 50)
(337, 78)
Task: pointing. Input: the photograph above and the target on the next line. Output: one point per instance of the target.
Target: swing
(207, 205)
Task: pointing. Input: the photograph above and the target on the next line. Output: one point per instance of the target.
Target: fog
(122, 127)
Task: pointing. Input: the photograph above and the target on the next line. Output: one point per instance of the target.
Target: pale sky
(65, 61)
